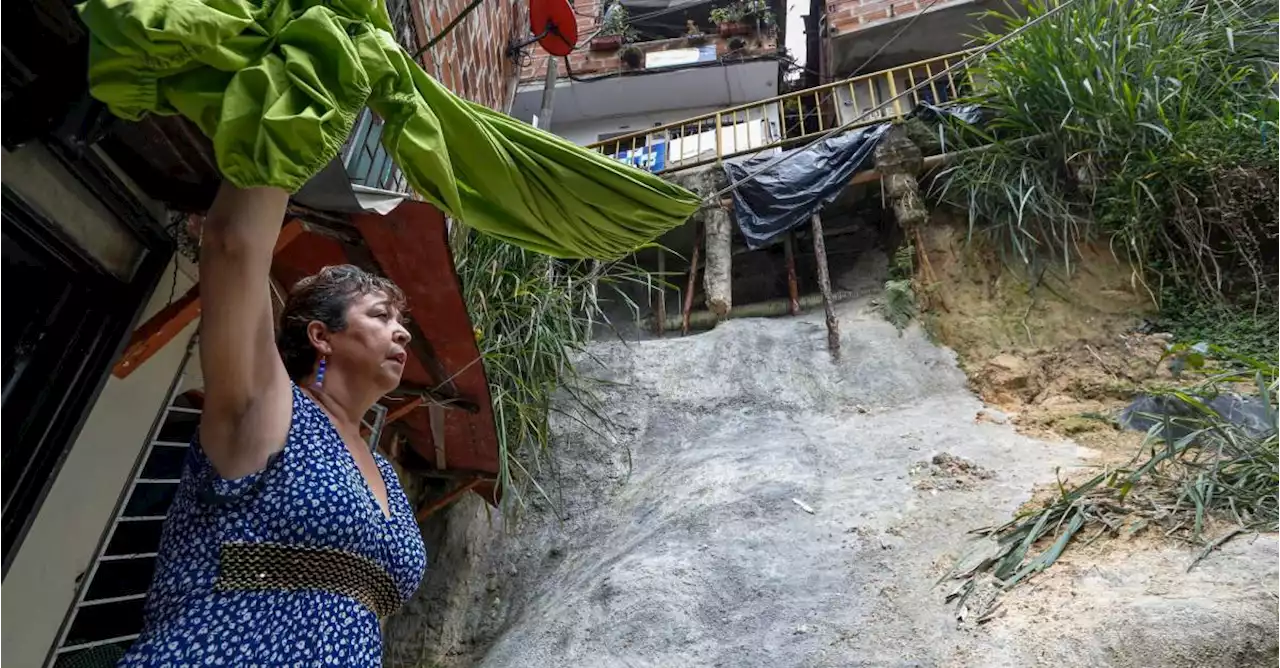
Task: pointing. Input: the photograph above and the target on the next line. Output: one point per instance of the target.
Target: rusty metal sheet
(410, 246)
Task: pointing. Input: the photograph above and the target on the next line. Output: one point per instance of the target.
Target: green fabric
(277, 85)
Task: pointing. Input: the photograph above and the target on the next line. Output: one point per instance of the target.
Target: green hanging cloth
(277, 85)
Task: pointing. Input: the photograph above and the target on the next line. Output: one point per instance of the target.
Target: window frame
(96, 326)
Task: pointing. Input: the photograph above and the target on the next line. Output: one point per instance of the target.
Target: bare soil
(1059, 352)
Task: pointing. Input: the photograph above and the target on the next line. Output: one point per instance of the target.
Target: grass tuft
(533, 315)
(1150, 125)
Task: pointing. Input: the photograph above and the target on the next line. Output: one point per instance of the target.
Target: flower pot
(606, 43)
(731, 28)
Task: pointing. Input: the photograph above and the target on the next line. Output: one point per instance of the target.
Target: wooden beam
(693, 282)
(161, 328)
(402, 410)
(455, 494)
(824, 283)
(660, 310)
(793, 288)
(435, 412)
(158, 331)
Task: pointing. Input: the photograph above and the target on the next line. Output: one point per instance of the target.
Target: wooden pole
(824, 283)
(660, 311)
(548, 95)
(793, 289)
(772, 308)
(693, 281)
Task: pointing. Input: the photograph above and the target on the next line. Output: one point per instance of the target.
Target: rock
(700, 542)
(988, 414)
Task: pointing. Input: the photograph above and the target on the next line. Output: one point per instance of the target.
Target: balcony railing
(367, 162)
(781, 121)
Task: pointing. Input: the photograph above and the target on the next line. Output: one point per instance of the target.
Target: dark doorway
(65, 317)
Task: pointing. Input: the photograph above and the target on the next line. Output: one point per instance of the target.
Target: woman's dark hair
(324, 296)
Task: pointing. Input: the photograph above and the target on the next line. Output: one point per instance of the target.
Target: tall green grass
(1149, 124)
(533, 316)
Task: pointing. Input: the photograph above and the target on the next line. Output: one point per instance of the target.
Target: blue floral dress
(292, 566)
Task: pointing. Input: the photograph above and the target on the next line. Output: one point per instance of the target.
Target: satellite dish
(555, 26)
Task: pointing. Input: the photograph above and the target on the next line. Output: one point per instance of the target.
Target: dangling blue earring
(320, 374)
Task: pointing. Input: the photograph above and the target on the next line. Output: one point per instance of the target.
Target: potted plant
(743, 17)
(693, 36)
(728, 20)
(615, 29)
(632, 57)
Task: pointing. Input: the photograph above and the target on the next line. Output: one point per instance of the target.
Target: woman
(288, 539)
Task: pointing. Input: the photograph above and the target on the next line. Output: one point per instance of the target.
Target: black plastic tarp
(786, 195)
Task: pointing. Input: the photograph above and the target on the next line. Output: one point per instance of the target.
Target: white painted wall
(60, 197)
(41, 582)
(589, 131)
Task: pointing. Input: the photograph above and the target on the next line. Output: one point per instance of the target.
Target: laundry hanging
(277, 85)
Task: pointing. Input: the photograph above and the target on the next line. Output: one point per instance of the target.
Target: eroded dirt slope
(759, 505)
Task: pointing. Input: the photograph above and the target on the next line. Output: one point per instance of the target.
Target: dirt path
(759, 505)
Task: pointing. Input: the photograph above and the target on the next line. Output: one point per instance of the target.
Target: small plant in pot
(728, 20)
(615, 29)
(693, 36)
(632, 57)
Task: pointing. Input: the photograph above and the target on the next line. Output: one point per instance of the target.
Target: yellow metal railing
(780, 121)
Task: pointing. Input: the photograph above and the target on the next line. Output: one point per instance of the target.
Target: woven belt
(272, 566)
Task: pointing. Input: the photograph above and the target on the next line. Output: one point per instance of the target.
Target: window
(60, 336)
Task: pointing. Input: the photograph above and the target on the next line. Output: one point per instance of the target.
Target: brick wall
(583, 61)
(846, 16)
(472, 59)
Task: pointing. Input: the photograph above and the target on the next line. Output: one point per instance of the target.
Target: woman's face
(373, 344)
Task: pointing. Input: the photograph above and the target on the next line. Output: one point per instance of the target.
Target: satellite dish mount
(553, 26)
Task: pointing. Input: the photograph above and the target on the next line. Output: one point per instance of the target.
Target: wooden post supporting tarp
(793, 288)
(660, 309)
(824, 283)
(693, 281)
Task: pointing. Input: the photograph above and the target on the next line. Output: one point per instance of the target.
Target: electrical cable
(447, 29)
(894, 38)
(714, 197)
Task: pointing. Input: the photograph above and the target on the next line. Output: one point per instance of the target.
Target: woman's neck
(344, 403)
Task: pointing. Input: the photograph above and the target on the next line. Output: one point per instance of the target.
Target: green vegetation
(1148, 125)
(532, 315)
(1194, 467)
(744, 11)
(1238, 326)
(617, 22)
(1151, 126)
(898, 301)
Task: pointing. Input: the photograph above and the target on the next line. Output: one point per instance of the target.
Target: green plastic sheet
(277, 85)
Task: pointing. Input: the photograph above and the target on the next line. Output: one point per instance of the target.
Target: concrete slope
(756, 506)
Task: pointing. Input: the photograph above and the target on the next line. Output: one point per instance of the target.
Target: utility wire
(896, 35)
(714, 197)
(448, 29)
